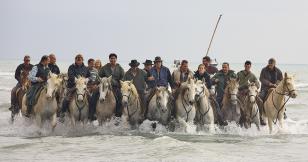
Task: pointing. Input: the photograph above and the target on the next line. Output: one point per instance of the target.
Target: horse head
(53, 84)
(232, 90)
(128, 90)
(104, 87)
(189, 91)
(201, 90)
(25, 82)
(81, 88)
(288, 86)
(252, 92)
(162, 98)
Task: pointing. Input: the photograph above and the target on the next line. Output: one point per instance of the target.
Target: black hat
(157, 59)
(134, 63)
(148, 62)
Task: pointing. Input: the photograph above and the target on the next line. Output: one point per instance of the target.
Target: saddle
(34, 97)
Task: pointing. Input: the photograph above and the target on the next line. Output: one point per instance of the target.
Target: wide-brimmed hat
(134, 63)
(157, 59)
(148, 62)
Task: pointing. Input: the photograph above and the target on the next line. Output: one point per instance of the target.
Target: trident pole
(208, 49)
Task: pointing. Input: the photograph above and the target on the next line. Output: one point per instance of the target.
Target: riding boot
(285, 116)
(92, 106)
(219, 115)
(118, 96)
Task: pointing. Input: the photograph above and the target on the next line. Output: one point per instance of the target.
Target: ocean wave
(4, 73)
(301, 85)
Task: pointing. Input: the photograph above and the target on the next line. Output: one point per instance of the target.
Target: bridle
(187, 104)
(128, 98)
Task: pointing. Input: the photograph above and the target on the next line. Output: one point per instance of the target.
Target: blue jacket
(162, 78)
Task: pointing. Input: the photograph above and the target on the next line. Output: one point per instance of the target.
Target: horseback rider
(75, 70)
(202, 74)
(244, 76)
(139, 78)
(161, 74)
(150, 79)
(92, 86)
(38, 77)
(22, 68)
(180, 75)
(270, 77)
(117, 72)
(52, 65)
(220, 79)
(209, 68)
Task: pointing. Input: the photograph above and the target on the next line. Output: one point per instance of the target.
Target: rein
(80, 106)
(282, 94)
(186, 111)
(128, 99)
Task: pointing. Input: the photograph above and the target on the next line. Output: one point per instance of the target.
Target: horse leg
(281, 120)
(54, 121)
(73, 121)
(270, 124)
(182, 123)
(257, 121)
(38, 120)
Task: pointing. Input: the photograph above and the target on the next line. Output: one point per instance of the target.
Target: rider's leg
(118, 96)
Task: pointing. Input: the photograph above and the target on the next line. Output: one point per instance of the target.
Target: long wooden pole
(208, 49)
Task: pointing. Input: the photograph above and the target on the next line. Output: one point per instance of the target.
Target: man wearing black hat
(117, 72)
(150, 79)
(139, 77)
(161, 73)
(270, 77)
(38, 77)
(22, 70)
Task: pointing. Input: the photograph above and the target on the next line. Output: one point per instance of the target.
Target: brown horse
(20, 92)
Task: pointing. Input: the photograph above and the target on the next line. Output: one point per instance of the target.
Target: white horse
(231, 107)
(46, 106)
(132, 111)
(159, 108)
(251, 112)
(274, 106)
(107, 103)
(204, 111)
(185, 103)
(79, 106)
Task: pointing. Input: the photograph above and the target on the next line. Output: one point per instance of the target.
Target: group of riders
(154, 74)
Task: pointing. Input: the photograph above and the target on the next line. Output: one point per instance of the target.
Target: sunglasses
(27, 60)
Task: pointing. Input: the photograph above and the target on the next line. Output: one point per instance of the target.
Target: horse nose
(102, 100)
(191, 102)
(294, 95)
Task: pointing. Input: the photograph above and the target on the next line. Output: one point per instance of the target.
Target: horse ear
(76, 79)
(49, 75)
(285, 75)
(121, 82)
(132, 81)
(203, 80)
(249, 83)
(109, 78)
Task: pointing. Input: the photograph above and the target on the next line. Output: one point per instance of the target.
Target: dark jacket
(138, 80)
(268, 76)
(75, 71)
(20, 68)
(54, 68)
(206, 77)
(117, 74)
(150, 83)
(162, 78)
(42, 73)
(222, 80)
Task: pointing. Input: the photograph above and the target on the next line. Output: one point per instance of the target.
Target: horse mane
(232, 84)
(128, 84)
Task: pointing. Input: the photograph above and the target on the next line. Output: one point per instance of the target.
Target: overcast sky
(140, 29)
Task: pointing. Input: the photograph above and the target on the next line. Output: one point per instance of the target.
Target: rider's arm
(263, 79)
(17, 73)
(32, 75)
